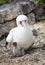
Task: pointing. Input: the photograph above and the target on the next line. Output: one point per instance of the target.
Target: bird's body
(22, 35)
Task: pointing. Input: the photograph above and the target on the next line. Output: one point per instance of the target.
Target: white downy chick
(22, 34)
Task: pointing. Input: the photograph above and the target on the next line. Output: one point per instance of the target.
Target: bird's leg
(14, 48)
(22, 53)
(17, 51)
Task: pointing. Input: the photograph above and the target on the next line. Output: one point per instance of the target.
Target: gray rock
(6, 27)
(31, 18)
(10, 11)
(39, 11)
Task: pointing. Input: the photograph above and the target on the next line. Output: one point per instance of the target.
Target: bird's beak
(23, 23)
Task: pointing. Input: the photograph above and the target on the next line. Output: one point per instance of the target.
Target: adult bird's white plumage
(22, 33)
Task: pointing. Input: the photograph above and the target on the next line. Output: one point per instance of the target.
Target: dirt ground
(34, 56)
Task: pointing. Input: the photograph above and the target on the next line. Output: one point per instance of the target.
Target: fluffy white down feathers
(22, 35)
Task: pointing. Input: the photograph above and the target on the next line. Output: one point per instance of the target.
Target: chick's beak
(24, 23)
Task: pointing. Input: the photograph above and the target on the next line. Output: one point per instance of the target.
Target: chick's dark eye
(20, 22)
(25, 20)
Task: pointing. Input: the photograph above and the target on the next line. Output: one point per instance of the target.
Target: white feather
(22, 35)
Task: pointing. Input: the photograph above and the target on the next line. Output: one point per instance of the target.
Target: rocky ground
(35, 56)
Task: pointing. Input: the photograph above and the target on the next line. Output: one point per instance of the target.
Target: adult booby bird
(22, 34)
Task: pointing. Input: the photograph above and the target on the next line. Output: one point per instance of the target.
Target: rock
(36, 27)
(31, 18)
(35, 32)
(39, 11)
(6, 27)
(10, 11)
